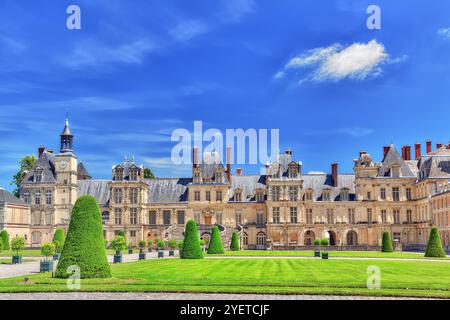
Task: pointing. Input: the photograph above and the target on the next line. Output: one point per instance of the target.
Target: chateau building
(284, 208)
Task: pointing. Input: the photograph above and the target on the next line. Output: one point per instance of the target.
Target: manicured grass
(24, 253)
(308, 253)
(283, 276)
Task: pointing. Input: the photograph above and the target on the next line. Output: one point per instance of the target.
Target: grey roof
(47, 163)
(99, 189)
(81, 171)
(392, 158)
(168, 190)
(281, 164)
(248, 184)
(8, 197)
(435, 164)
(318, 182)
(66, 131)
(127, 164)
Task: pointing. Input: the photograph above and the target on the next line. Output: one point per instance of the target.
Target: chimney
(334, 173)
(406, 153)
(418, 148)
(239, 172)
(194, 157)
(229, 163)
(429, 146)
(361, 153)
(439, 145)
(386, 150)
(41, 151)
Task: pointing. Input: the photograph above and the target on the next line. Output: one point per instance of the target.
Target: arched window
(261, 239)
(245, 239)
(352, 238)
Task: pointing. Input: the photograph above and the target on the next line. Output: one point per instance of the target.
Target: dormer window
(238, 196)
(38, 175)
(118, 174)
(133, 174)
(219, 176)
(395, 171)
(344, 195)
(197, 178)
(292, 171)
(259, 196)
(326, 195)
(308, 195)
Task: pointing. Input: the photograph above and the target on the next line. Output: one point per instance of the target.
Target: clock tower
(66, 178)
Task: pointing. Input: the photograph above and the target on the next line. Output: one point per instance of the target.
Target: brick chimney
(334, 173)
(439, 145)
(229, 163)
(418, 149)
(429, 149)
(194, 157)
(239, 172)
(386, 150)
(41, 151)
(406, 153)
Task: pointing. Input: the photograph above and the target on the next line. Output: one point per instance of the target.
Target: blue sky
(139, 69)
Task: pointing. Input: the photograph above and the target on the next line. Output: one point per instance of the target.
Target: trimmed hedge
(386, 245)
(191, 243)
(434, 246)
(215, 243)
(325, 242)
(84, 246)
(59, 236)
(5, 239)
(235, 244)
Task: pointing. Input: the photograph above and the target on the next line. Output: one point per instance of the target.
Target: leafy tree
(84, 246)
(215, 243)
(160, 244)
(148, 174)
(58, 247)
(59, 236)
(5, 239)
(317, 242)
(17, 244)
(122, 234)
(150, 244)
(191, 243)
(118, 243)
(142, 244)
(25, 164)
(235, 244)
(172, 244)
(434, 246)
(48, 250)
(325, 242)
(386, 243)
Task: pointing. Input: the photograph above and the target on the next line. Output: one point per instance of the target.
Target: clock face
(63, 164)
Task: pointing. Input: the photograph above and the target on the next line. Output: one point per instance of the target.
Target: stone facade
(281, 209)
(14, 216)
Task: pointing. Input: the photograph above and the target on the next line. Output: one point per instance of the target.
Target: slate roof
(281, 164)
(47, 163)
(320, 181)
(248, 184)
(99, 189)
(81, 171)
(393, 157)
(435, 165)
(7, 197)
(168, 190)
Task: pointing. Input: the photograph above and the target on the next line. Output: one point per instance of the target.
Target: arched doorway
(352, 238)
(309, 238)
(332, 237)
(261, 240)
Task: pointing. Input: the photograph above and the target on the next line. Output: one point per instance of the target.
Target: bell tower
(66, 164)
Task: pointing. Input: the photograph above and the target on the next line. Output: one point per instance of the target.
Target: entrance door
(208, 220)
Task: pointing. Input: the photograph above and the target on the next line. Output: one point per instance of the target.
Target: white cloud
(337, 62)
(235, 10)
(187, 30)
(444, 32)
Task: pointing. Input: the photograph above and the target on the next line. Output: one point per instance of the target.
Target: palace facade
(284, 208)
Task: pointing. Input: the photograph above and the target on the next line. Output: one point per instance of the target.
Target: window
(292, 172)
(133, 195)
(293, 211)
(180, 217)
(134, 174)
(369, 195)
(196, 195)
(37, 197)
(369, 215)
(26, 197)
(105, 216)
(259, 217)
(351, 216)
(48, 197)
(218, 195)
(208, 195)
(276, 215)
(344, 195)
(383, 194)
(395, 194)
(197, 177)
(245, 239)
(238, 196)
(152, 217)
(396, 214)
(238, 216)
(259, 196)
(293, 193)
(409, 217)
(133, 216)
(383, 216)
(37, 217)
(166, 217)
(308, 195)
(119, 174)
(408, 194)
(133, 233)
(118, 216)
(330, 216)
(219, 177)
(261, 239)
(38, 174)
(309, 216)
(326, 196)
(118, 195)
(219, 217)
(276, 193)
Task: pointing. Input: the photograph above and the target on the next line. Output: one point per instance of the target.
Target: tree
(5, 239)
(317, 242)
(122, 234)
(1, 246)
(160, 244)
(118, 244)
(48, 249)
(172, 244)
(325, 242)
(148, 174)
(434, 246)
(235, 244)
(58, 246)
(386, 243)
(25, 164)
(142, 244)
(17, 244)
(84, 246)
(215, 243)
(191, 243)
(59, 236)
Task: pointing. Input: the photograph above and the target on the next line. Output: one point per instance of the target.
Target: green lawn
(25, 253)
(283, 276)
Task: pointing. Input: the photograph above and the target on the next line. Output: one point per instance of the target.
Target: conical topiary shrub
(235, 245)
(386, 245)
(434, 247)
(84, 246)
(5, 239)
(59, 236)
(191, 243)
(215, 243)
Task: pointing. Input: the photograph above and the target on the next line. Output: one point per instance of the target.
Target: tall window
(219, 217)
(383, 216)
(369, 216)
(133, 174)
(276, 193)
(308, 195)
(208, 195)
(293, 193)
(180, 217)
(238, 216)
(196, 177)
(260, 196)
(330, 216)
(152, 217)
(166, 217)
(133, 216)
(383, 194)
(326, 196)
(118, 216)
(196, 195)
(292, 172)
(344, 195)
(118, 195)
(38, 175)
(293, 211)
(37, 197)
(238, 196)
(396, 214)
(396, 194)
(409, 217)
(245, 239)
(261, 239)
(369, 195)
(133, 195)
(351, 216)
(276, 215)
(26, 197)
(408, 194)
(119, 175)
(48, 197)
(259, 217)
(218, 195)
(309, 216)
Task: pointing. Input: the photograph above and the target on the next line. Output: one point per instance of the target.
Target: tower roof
(66, 131)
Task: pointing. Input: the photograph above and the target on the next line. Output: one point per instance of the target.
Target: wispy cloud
(235, 10)
(187, 30)
(444, 32)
